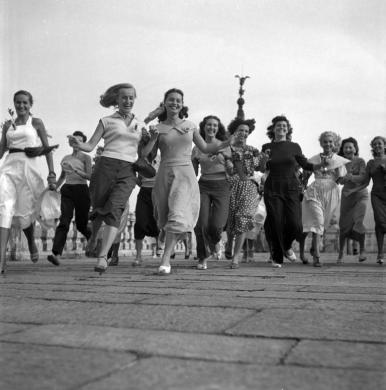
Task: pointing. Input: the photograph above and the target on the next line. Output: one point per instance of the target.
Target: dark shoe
(34, 257)
(234, 265)
(316, 262)
(173, 255)
(136, 263)
(53, 259)
(114, 261)
(362, 258)
(379, 261)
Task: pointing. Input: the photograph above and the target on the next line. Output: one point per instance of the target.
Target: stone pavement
(298, 327)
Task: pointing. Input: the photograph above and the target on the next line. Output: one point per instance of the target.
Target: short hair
(235, 123)
(109, 98)
(373, 140)
(271, 127)
(221, 133)
(23, 92)
(79, 134)
(184, 110)
(349, 140)
(335, 139)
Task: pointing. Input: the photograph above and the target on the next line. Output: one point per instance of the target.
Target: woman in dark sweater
(282, 191)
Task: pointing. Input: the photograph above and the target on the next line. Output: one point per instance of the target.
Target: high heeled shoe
(102, 265)
(34, 257)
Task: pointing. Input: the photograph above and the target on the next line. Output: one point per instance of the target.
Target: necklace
(125, 116)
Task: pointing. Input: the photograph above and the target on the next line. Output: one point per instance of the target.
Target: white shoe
(290, 255)
(164, 269)
(202, 266)
(276, 265)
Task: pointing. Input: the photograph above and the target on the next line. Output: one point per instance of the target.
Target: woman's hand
(73, 141)
(155, 113)
(51, 180)
(153, 132)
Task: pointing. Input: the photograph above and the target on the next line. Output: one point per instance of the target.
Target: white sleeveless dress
(21, 183)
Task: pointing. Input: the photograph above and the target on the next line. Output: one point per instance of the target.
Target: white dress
(322, 198)
(20, 181)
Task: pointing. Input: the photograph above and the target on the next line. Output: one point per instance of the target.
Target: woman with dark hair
(176, 194)
(283, 223)
(354, 198)
(25, 138)
(376, 170)
(113, 178)
(75, 196)
(214, 191)
(322, 197)
(244, 199)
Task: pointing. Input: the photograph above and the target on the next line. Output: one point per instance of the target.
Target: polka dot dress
(244, 199)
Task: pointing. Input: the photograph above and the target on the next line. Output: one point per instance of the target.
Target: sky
(319, 62)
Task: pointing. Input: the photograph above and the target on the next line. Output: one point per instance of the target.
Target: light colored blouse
(78, 163)
(175, 143)
(23, 136)
(121, 141)
(212, 165)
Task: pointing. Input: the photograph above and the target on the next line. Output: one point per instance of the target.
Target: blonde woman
(322, 199)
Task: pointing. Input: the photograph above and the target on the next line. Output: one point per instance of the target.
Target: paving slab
(11, 328)
(314, 324)
(178, 374)
(34, 367)
(158, 343)
(178, 318)
(338, 354)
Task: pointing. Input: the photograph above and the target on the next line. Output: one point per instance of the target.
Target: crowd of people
(236, 181)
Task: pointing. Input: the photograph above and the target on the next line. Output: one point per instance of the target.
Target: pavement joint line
(357, 367)
(246, 317)
(105, 376)
(288, 352)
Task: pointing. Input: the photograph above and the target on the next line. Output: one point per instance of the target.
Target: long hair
(109, 98)
(235, 123)
(271, 127)
(184, 110)
(220, 135)
(347, 140)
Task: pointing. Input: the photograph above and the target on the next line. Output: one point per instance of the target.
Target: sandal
(102, 265)
(380, 261)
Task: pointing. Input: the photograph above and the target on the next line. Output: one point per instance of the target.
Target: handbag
(144, 168)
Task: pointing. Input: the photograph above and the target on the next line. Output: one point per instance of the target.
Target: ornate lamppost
(240, 100)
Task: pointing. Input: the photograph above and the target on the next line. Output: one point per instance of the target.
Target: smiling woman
(113, 178)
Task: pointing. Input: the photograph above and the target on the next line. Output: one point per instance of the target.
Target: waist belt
(15, 150)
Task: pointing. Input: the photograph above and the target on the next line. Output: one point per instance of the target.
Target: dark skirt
(378, 201)
(111, 185)
(145, 224)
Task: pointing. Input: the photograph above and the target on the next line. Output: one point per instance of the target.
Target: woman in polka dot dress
(244, 191)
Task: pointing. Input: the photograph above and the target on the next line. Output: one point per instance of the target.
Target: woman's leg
(170, 242)
(92, 241)
(138, 252)
(239, 241)
(29, 233)
(379, 234)
(342, 243)
(4, 237)
(302, 243)
(316, 245)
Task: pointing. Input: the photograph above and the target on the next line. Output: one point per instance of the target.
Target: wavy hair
(80, 134)
(271, 127)
(235, 123)
(335, 139)
(184, 110)
(221, 133)
(109, 98)
(373, 140)
(347, 140)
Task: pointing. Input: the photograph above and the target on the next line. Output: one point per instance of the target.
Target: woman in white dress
(176, 195)
(21, 184)
(322, 198)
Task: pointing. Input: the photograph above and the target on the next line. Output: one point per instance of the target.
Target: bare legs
(91, 244)
(29, 233)
(316, 239)
(4, 237)
(239, 241)
(170, 242)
